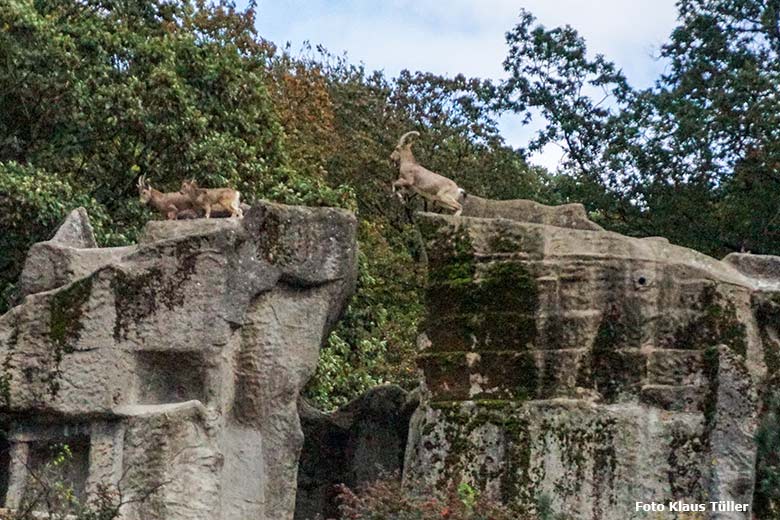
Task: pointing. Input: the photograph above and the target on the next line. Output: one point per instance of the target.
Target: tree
(96, 93)
(694, 158)
(376, 340)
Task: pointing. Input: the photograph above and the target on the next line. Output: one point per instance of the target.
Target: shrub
(388, 499)
(48, 494)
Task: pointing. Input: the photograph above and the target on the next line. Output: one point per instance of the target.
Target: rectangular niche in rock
(170, 377)
(59, 462)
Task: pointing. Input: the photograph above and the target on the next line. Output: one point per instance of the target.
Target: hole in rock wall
(49, 466)
(5, 467)
(170, 377)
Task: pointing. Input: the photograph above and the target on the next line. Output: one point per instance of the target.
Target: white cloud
(467, 36)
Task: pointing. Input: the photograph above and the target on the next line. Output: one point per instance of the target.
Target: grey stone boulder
(764, 268)
(76, 231)
(69, 255)
(175, 365)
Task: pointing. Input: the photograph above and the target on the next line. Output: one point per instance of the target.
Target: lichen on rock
(585, 370)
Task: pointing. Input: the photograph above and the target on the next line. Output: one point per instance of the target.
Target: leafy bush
(374, 343)
(389, 500)
(47, 492)
(34, 202)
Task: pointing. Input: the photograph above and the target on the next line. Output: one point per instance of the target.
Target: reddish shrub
(389, 500)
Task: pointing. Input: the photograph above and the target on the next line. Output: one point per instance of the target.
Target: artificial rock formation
(524, 210)
(173, 367)
(582, 370)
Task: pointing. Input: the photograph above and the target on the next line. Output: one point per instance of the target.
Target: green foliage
(48, 492)
(468, 496)
(34, 202)
(375, 341)
(695, 158)
(104, 90)
(388, 499)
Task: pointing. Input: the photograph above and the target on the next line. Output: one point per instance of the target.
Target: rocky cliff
(581, 369)
(564, 367)
(173, 367)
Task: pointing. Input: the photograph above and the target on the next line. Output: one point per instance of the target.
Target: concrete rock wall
(174, 366)
(589, 370)
(524, 210)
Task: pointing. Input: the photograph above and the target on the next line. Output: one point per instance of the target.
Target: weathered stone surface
(69, 255)
(355, 445)
(588, 368)
(732, 416)
(76, 231)
(565, 215)
(764, 268)
(177, 363)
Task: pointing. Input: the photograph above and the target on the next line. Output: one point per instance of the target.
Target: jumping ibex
(217, 199)
(432, 186)
(170, 205)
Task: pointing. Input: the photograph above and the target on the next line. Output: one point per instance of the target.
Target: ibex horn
(407, 134)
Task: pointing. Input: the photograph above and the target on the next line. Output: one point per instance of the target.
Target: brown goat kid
(226, 199)
(171, 205)
(432, 186)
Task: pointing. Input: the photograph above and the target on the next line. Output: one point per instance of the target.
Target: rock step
(675, 398)
(670, 380)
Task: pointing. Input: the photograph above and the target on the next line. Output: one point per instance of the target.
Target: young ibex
(226, 199)
(171, 205)
(432, 186)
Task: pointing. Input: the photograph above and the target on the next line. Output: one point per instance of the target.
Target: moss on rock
(66, 308)
(5, 388)
(464, 433)
(616, 365)
(766, 308)
(451, 260)
(716, 323)
(455, 430)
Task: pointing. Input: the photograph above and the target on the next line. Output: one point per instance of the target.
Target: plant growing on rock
(49, 495)
(767, 494)
(388, 499)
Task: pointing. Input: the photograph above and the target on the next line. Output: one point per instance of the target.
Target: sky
(449, 37)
